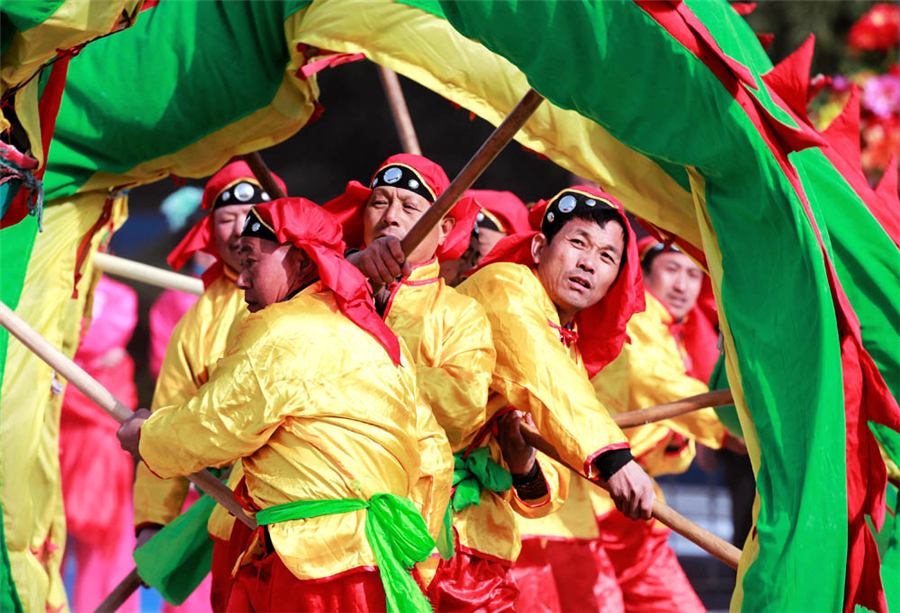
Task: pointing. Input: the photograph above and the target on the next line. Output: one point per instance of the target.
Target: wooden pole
(703, 538)
(120, 594)
(472, 170)
(263, 175)
(718, 398)
(136, 271)
(89, 386)
(399, 110)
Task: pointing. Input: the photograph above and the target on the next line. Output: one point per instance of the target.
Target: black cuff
(531, 485)
(607, 464)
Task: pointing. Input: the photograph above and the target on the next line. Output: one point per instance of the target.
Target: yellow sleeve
(557, 478)
(658, 376)
(232, 415)
(431, 492)
(534, 371)
(183, 371)
(456, 386)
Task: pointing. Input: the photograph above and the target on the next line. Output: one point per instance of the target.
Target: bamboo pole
(399, 110)
(718, 398)
(120, 593)
(263, 175)
(89, 386)
(703, 538)
(486, 154)
(136, 271)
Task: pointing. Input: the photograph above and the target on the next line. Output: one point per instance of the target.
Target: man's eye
(577, 242)
(608, 257)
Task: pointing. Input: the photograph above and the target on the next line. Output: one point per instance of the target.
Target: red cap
(601, 328)
(307, 226)
(200, 238)
(348, 207)
(503, 207)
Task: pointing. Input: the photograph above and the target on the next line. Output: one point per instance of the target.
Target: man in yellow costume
(197, 343)
(450, 337)
(671, 356)
(558, 300)
(312, 397)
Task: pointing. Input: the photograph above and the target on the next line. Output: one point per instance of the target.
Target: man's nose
(586, 264)
(680, 283)
(392, 213)
(238, 225)
(243, 280)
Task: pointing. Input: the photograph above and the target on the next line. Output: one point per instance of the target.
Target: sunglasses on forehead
(567, 202)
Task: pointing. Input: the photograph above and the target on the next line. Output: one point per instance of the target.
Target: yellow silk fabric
(317, 410)
(658, 375)
(449, 337)
(32, 502)
(536, 373)
(197, 343)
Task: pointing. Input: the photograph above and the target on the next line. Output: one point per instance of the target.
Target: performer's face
(269, 272)
(391, 211)
(676, 280)
(228, 222)
(580, 264)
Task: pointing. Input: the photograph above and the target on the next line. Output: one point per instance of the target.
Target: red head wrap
(309, 227)
(348, 207)
(601, 328)
(503, 207)
(698, 331)
(200, 237)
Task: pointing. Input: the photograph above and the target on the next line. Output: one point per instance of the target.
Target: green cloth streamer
(475, 473)
(179, 557)
(395, 530)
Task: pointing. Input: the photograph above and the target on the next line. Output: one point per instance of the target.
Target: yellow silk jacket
(536, 373)
(316, 410)
(197, 343)
(658, 375)
(449, 337)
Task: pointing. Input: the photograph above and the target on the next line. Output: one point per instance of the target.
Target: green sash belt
(475, 473)
(395, 530)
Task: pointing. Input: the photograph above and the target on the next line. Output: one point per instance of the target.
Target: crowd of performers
(377, 441)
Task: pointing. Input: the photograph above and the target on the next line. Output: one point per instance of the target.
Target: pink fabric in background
(165, 314)
(97, 475)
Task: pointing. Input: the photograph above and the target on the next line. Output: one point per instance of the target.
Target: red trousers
(556, 575)
(630, 569)
(649, 576)
(267, 585)
(467, 583)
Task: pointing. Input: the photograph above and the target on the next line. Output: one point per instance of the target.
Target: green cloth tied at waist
(475, 473)
(396, 533)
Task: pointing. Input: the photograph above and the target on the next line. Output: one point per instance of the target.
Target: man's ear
(445, 228)
(538, 244)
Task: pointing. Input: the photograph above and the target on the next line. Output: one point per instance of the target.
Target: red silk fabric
(601, 328)
(565, 575)
(268, 585)
(649, 576)
(506, 207)
(200, 237)
(309, 227)
(348, 207)
(468, 582)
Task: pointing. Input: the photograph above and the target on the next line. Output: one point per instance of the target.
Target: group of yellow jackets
(312, 408)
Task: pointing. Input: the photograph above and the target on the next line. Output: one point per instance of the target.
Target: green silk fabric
(396, 533)
(475, 473)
